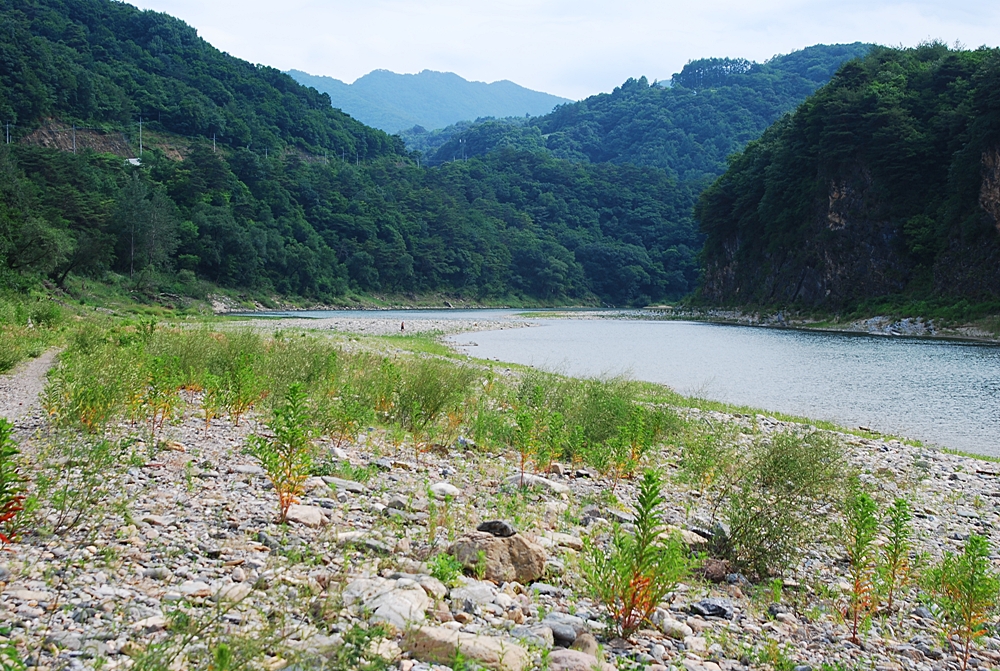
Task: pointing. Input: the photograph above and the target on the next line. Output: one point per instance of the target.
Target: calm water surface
(941, 392)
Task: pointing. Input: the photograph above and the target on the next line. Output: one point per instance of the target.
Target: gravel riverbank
(176, 550)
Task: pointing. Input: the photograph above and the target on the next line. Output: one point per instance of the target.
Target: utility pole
(213, 143)
(74, 138)
(8, 132)
(265, 153)
(357, 158)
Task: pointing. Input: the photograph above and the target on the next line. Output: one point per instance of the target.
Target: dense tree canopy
(886, 181)
(512, 223)
(103, 62)
(267, 210)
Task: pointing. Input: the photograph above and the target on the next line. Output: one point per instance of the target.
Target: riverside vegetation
(224, 499)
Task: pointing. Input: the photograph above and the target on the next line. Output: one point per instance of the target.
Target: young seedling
(966, 589)
(861, 528)
(895, 554)
(286, 453)
(632, 576)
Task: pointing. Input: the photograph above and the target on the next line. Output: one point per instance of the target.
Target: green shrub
(772, 501)
(707, 453)
(966, 589)
(427, 389)
(96, 382)
(633, 574)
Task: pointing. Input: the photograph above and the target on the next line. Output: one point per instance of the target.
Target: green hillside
(108, 63)
(431, 100)
(689, 126)
(885, 183)
(270, 206)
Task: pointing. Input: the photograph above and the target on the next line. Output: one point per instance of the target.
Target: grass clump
(445, 568)
(636, 571)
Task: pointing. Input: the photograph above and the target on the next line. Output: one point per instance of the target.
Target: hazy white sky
(572, 48)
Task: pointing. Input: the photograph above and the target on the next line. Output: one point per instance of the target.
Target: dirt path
(19, 389)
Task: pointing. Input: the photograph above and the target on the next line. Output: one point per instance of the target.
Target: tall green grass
(27, 327)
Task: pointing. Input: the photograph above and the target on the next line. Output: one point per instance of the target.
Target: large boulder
(441, 646)
(507, 559)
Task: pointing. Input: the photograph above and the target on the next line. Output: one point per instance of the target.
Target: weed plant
(965, 588)
(861, 526)
(76, 478)
(286, 452)
(632, 575)
(11, 483)
(894, 556)
(445, 568)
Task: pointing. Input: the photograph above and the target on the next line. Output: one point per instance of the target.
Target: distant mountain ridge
(393, 102)
(689, 127)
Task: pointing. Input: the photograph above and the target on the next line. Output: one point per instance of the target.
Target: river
(942, 392)
(945, 393)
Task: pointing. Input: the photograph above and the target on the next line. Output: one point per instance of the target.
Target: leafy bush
(286, 454)
(773, 500)
(427, 389)
(633, 574)
(966, 589)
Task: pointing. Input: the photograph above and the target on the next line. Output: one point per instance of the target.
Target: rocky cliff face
(846, 251)
(989, 192)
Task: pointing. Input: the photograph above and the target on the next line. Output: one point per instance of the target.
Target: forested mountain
(267, 207)
(885, 182)
(429, 99)
(688, 126)
(108, 63)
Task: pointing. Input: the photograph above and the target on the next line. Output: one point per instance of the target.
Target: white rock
(151, 625)
(191, 588)
(536, 481)
(366, 589)
(401, 606)
(443, 489)
(310, 516)
(441, 645)
(231, 592)
(675, 629)
(696, 644)
(31, 595)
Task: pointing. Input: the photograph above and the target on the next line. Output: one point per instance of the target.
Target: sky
(571, 48)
